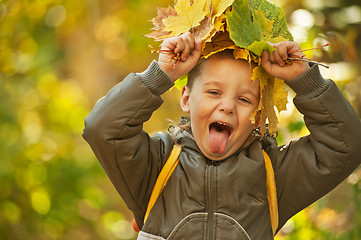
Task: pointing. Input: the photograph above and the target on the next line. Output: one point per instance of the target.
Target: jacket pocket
(190, 227)
(229, 228)
(194, 227)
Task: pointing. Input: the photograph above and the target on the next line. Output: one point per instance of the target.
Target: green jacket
(227, 199)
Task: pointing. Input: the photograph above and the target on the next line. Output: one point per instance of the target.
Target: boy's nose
(227, 106)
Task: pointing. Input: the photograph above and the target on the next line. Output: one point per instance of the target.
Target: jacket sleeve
(308, 168)
(114, 130)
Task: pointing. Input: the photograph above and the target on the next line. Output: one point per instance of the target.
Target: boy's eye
(214, 92)
(244, 100)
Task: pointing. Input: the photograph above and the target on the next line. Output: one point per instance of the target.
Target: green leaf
(253, 23)
(275, 14)
(180, 82)
(258, 47)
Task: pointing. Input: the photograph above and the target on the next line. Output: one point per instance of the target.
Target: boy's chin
(218, 156)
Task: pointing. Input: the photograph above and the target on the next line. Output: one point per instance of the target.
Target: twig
(303, 50)
(309, 61)
(176, 57)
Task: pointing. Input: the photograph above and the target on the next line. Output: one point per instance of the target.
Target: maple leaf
(242, 53)
(253, 23)
(205, 28)
(204, 18)
(247, 26)
(217, 26)
(188, 17)
(272, 12)
(268, 112)
(162, 13)
(273, 94)
(261, 74)
(219, 6)
(220, 42)
(257, 47)
(279, 95)
(219, 22)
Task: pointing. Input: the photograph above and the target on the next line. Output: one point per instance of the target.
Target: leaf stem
(309, 61)
(308, 49)
(153, 50)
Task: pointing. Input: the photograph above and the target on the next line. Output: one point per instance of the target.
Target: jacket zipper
(211, 197)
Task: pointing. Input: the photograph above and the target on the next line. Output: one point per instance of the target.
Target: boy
(218, 189)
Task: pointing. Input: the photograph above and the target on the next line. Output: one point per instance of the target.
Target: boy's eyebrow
(252, 93)
(213, 82)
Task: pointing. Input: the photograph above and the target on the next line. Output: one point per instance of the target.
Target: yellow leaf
(219, 6)
(261, 74)
(218, 25)
(268, 112)
(158, 33)
(220, 42)
(279, 95)
(205, 28)
(273, 94)
(162, 13)
(256, 114)
(241, 53)
(219, 22)
(189, 16)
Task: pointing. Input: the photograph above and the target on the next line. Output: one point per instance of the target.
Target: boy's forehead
(228, 67)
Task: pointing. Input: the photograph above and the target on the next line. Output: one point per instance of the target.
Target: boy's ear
(184, 101)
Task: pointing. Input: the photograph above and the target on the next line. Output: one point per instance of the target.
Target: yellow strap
(172, 162)
(271, 192)
(163, 177)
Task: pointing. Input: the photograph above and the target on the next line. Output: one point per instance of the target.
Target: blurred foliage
(57, 57)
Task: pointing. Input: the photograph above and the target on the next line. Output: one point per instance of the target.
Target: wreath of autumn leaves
(246, 26)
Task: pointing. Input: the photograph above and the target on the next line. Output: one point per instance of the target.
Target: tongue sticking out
(218, 139)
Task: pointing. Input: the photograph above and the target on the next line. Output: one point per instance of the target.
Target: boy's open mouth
(219, 134)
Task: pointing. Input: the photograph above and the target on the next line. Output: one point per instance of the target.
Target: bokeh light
(58, 57)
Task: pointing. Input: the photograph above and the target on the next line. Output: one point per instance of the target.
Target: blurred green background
(57, 57)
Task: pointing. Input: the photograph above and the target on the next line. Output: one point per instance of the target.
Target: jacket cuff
(155, 79)
(310, 84)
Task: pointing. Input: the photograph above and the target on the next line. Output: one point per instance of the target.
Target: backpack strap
(163, 178)
(271, 192)
(172, 162)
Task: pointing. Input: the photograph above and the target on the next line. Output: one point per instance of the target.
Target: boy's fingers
(190, 39)
(171, 42)
(278, 59)
(186, 50)
(265, 59)
(271, 57)
(189, 45)
(282, 49)
(196, 52)
(179, 45)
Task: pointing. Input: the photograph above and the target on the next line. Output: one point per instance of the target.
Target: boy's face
(220, 104)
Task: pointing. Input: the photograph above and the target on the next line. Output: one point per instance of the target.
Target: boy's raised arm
(310, 167)
(114, 128)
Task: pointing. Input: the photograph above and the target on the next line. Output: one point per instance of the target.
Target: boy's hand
(189, 49)
(275, 64)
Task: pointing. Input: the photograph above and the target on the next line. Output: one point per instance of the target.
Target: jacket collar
(182, 135)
